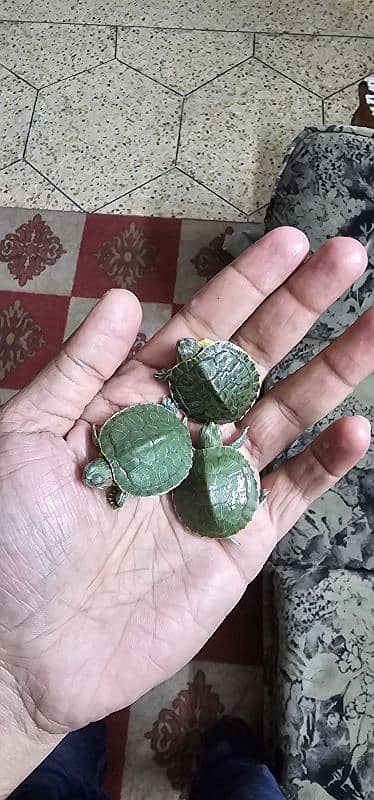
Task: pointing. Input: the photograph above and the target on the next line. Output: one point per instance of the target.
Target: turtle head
(210, 436)
(187, 348)
(98, 474)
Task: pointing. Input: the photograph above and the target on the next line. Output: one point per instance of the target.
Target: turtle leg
(95, 435)
(241, 440)
(168, 403)
(116, 497)
(162, 374)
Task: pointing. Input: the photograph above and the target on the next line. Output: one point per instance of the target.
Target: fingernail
(366, 421)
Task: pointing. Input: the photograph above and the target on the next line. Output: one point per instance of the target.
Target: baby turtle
(145, 450)
(212, 381)
(222, 492)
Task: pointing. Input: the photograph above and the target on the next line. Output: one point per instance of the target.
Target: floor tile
(43, 53)
(103, 133)
(339, 107)
(21, 186)
(321, 63)
(6, 394)
(32, 326)
(319, 16)
(182, 60)
(39, 251)
(165, 726)
(174, 195)
(128, 253)
(236, 130)
(201, 255)
(16, 104)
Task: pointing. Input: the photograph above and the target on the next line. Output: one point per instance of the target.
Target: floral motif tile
(165, 726)
(102, 133)
(43, 53)
(30, 334)
(131, 253)
(339, 107)
(322, 64)
(236, 129)
(22, 187)
(38, 251)
(201, 255)
(182, 60)
(16, 104)
(174, 195)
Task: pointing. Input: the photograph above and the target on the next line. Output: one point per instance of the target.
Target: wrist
(23, 745)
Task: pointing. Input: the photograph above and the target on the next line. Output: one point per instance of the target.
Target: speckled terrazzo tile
(16, 104)
(174, 195)
(320, 63)
(182, 60)
(85, 11)
(320, 16)
(22, 187)
(43, 53)
(103, 133)
(236, 130)
(339, 107)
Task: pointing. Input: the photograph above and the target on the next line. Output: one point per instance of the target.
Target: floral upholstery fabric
(319, 585)
(322, 684)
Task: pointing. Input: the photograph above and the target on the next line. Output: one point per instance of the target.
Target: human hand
(98, 606)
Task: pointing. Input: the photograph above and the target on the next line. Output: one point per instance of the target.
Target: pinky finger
(304, 478)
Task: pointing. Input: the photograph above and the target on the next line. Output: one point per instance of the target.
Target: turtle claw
(234, 541)
(262, 497)
(116, 497)
(162, 374)
(241, 440)
(169, 404)
(95, 435)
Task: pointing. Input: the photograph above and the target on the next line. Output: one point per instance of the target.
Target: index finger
(226, 302)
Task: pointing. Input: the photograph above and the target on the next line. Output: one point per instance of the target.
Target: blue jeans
(230, 768)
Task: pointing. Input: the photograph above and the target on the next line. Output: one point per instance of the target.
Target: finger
(309, 394)
(224, 304)
(304, 478)
(57, 396)
(285, 317)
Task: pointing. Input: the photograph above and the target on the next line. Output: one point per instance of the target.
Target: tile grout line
(145, 75)
(61, 191)
(116, 41)
(200, 183)
(220, 75)
(76, 74)
(179, 131)
(30, 124)
(292, 80)
(129, 26)
(323, 112)
(19, 77)
(134, 189)
(12, 163)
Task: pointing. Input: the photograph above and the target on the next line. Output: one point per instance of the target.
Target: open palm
(98, 606)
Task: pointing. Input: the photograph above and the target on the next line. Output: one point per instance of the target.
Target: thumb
(58, 395)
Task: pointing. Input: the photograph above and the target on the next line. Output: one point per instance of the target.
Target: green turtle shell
(148, 449)
(220, 494)
(218, 384)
